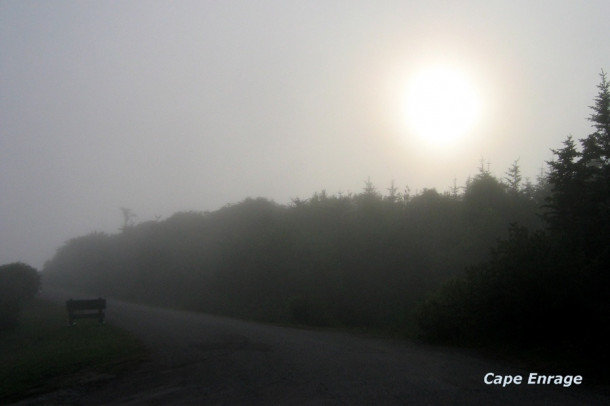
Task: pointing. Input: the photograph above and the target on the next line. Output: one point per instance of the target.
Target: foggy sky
(163, 106)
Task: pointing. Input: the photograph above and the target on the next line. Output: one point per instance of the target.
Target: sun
(441, 105)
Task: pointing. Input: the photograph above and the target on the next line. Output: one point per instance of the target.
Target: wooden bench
(86, 309)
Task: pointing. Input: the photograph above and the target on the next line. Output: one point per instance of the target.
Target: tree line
(362, 259)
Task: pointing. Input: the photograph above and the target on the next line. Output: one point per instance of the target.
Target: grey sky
(164, 106)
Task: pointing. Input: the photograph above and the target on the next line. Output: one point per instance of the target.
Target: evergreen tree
(596, 147)
(595, 162)
(601, 109)
(370, 190)
(513, 177)
(564, 176)
(392, 196)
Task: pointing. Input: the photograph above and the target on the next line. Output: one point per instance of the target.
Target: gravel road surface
(198, 359)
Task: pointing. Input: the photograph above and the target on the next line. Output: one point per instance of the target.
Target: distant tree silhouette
(392, 196)
(128, 217)
(513, 177)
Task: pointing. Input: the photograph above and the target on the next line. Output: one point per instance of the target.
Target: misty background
(162, 107)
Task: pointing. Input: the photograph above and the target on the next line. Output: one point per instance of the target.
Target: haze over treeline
(361, 259)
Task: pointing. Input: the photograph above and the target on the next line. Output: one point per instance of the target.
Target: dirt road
(205, 360)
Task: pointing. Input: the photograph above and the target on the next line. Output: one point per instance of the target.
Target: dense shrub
(18, 283)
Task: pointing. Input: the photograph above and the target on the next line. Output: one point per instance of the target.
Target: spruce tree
(601, 109)
(513, 177)
(596, 147)
(596, 167)
(564, 176)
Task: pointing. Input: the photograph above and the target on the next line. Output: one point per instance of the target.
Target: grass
(43, 353)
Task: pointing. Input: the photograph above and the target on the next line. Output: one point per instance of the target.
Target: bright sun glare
(441, 105)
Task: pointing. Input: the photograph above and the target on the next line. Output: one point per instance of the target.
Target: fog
(167, 106)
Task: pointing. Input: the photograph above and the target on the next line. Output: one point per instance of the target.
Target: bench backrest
(86, 309)
(92, 304)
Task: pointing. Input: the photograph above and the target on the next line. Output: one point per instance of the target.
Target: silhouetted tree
(595, 164)
(455, 190)
(128, 217)
(392, 196)
(485, 198)
(18, 283)
(513, 177)
(564, 203)
(601, 115)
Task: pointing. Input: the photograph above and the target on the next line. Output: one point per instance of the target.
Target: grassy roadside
(44, 353)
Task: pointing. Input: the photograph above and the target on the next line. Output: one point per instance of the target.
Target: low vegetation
(18, 283)
(43, 353)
